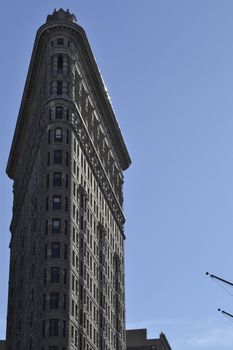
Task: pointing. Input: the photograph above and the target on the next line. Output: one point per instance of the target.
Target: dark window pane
(53, 327)
(65, 276)
(58, 135)
(67, 179)
(47, 203)
(54, 300)
(66, 204)
(58, 112)
(57, 157)
(64, 302)
(43, 329)
(82, 200)
(56, 202)
(45, 251)
(65, 251)
(60, 41)
(67, 114)
(60, 64)
(64, 329)
(55, 250)
(57, 179)
(56, 225)
(66, 227)
(55, 274)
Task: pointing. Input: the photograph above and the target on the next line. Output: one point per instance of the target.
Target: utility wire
(227, 315)
(226, 290)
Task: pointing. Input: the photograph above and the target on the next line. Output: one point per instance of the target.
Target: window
(43, 329)
(64, 329)
(55, 250)
(58, 135)
(65, 276)
(57, 179)
(65, 251)
(53, 327)
(46, 227)
(66, 204)
(64, 302)
(60, 41)
(59, 87)
(47, 182)
(67, 181)
(67, 136)
(49, 136)
(56, 225)
(45, 276)
(82, 200)
(74, 167)
(58, 112)
(81, 222)
(67, 114)
(74, 189)
(60, 64)
(54, 300)
(56, 202)
(55, 274)
(66, 227)
(47, 204)
(45, 251)
(57, 157)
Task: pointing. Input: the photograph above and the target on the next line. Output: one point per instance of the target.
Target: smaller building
(136, 339)
(2, 345)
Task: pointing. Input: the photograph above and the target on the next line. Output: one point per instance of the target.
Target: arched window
(60, 64)
(58, 135)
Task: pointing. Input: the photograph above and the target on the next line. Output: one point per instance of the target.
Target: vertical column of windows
(56, 180)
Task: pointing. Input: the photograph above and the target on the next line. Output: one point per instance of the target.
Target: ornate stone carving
(96, 164)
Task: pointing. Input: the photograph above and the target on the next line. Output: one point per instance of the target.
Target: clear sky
(168, 66)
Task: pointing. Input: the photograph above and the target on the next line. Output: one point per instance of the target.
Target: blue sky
(168, 67)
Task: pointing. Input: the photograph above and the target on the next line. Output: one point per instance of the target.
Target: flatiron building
(66, 283)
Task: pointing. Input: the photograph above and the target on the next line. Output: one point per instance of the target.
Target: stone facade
(136, 339)
(2, 345)
(66, 285)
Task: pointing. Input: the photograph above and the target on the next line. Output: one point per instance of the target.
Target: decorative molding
(88, 146)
